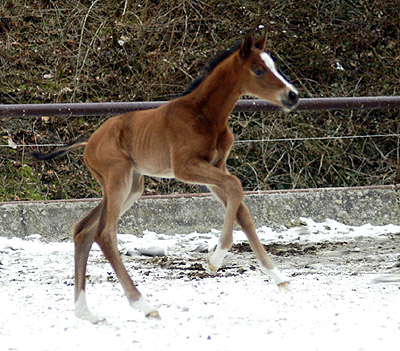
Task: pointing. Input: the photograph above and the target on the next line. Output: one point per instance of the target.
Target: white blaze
(271, 66)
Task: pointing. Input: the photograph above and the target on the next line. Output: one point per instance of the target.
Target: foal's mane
(210, 67)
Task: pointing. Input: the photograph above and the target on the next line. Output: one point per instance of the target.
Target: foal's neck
(216, 97)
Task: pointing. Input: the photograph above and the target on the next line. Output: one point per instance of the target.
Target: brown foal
(188, 138)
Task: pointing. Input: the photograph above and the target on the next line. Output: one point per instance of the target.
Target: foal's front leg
(225, 240)
(245, 220)
(267, 265)
(201, 172)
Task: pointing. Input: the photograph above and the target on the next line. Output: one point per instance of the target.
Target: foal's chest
(222, 147)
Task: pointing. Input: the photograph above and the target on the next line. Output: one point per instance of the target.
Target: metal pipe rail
(253, 105)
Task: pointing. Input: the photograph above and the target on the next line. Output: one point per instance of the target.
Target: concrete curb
(378, 205)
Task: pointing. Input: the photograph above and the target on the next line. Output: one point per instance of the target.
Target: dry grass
(59, 51)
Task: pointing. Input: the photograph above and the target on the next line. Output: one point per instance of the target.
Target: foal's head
(263, 79)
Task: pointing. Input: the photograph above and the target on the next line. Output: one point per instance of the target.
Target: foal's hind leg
(121, 189)
(83, 239)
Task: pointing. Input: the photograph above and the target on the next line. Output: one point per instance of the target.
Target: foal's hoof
(211, 269)
(153, 315)
(285, 286)
(92, 318)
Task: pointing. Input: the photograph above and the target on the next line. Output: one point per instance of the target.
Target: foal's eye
(258, 72)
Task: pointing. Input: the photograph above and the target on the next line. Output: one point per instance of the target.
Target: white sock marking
(276, 275)
(217, 257)
(143, 306)
(82, 310)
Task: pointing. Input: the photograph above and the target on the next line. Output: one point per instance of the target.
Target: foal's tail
(58, 152)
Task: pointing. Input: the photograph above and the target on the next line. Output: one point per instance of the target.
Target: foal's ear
(245, 49)
(260, 43)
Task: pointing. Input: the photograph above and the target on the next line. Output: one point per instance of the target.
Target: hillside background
(120, 50)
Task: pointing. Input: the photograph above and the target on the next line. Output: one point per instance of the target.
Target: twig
(78, 71)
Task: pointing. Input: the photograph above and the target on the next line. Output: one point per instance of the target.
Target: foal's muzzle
(290, 100)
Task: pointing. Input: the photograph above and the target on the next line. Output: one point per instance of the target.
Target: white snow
(323, 312)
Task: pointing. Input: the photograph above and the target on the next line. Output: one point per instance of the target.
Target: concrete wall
(354, 206)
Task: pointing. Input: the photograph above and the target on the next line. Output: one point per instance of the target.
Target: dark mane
(210, 67)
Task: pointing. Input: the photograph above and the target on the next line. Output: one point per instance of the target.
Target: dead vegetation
(88, 51)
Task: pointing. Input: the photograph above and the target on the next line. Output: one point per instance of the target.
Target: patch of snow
(329, 230)
(324, 311)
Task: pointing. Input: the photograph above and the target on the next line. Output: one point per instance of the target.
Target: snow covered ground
(334, 303)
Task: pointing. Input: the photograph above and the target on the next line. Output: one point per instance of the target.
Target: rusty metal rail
(114, 108)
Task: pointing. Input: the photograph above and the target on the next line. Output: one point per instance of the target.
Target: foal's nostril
(293, 97)
(290, 99)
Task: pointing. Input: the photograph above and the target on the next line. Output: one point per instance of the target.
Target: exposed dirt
(360, 256)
